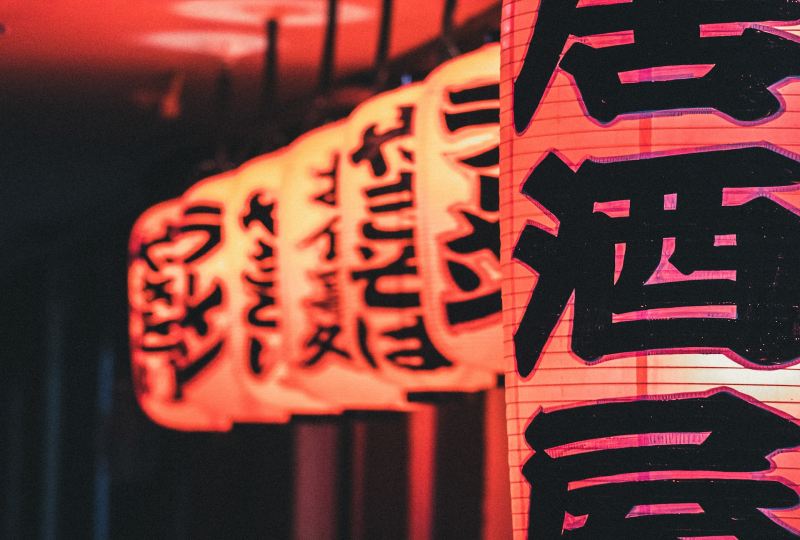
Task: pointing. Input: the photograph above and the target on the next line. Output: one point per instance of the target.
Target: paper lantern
(381, 239)
(649, 202)
(206, 334)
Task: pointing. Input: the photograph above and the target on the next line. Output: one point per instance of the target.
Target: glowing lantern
(649, 201)
(377, 346)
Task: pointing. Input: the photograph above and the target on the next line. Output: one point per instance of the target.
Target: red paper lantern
(649, 172)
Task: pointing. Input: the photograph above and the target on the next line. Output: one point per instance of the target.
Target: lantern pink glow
(591, 137)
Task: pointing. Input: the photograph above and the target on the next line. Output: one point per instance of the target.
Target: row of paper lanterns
(346, 271)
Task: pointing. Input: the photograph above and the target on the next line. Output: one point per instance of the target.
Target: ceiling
(108, 106)
(152, 51)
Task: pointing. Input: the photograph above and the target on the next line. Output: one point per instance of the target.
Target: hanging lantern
(651, 265)
(381, 238)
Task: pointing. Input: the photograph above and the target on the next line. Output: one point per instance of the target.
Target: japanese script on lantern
(176, 305)
(648, 145)
(475, 297)
(387, 252)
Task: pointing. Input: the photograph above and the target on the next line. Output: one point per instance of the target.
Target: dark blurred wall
(78, 458)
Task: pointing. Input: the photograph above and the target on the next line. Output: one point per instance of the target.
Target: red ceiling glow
(288, 12)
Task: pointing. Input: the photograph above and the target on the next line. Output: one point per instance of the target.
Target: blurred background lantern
(648, 200)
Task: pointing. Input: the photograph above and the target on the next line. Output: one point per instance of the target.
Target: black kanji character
(473, 309)
(400, 267)
(580, 454)
(261, 213)
(322, 340)
(195, 314)
(427, 356)
(179, 346)
(666, 34)
(485, 235)
(489, 158)
(265, 299)
(490, 193)
(403, 185)
(463, 276)
(489, 92)
(158, 291)
(371, 232)
(372, 143)
(214, 230)
(748, 298)
(329, 232)
(330, 298)
(478, 117)
(161, 328)
(144, 249)
(255, 364)
(187, 371)
(330, 197)
(266, 251)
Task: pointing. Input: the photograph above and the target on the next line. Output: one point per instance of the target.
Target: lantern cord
(382, 53)
(449, 48)
(270, 80)
(271, 137)
(326, 71)
(223, 99)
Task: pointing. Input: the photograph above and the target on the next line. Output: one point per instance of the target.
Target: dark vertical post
(15, 450)
(450, 49)
(347, 477)
(459, 467)
(421, 472)
(102, 472)
(51, 465)
(382, 53)
(269, 91)
(326, 70)
(382, 487)
(315, 479)
(496, 484)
